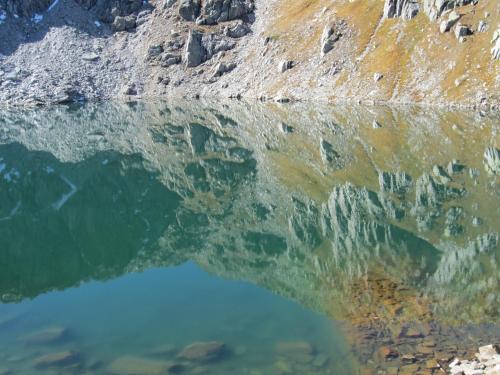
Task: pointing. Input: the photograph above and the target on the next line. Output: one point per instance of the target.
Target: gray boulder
(189, 9)
(195, 52)
(223, 68)
(328, 39)
(215, 11)
(237, 30)
(405, 9)
(126, 23)
(461, 31)
(448, 23)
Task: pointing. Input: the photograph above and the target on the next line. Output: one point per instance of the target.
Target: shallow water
(337, 233)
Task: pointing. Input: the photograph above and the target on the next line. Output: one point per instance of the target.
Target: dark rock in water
(297, 351)
(386, 353)
(129, 365)
(60, 359)
(411, 333)
(163, 350)
(203, 351)
(320, 360)
(294, 347)
(47, 336)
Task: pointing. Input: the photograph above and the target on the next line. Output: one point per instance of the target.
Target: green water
(142, 226)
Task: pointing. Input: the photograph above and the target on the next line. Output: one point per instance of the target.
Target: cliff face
(374, 50)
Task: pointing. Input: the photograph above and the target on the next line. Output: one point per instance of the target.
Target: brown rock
(203, 351)
(130, 365)
(387, 353)
(432, 364)
(4, 371)
(61, 359)
(424, 351)
(46, 336)
(409, 369)
(408, 358)
(411, 333)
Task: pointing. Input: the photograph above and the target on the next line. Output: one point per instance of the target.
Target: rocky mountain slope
(426, 51)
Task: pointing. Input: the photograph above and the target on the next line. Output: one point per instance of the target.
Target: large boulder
(195, 52)
(435, 8)
(328, 39)
(189, 9)
(215, 11)
(405, 9)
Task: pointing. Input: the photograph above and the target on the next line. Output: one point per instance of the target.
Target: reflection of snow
(3, 16)
(52, 5)
(37, 18)
(11, 175)
(62, 201)
(97, 23)
(12, 212)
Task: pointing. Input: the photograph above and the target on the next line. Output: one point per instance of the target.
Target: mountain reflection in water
(390, 230)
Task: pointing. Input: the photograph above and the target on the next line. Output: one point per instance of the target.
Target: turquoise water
(301, 239)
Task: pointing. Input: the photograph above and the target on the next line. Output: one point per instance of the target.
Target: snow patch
(97, 23)
(3, 16)
(37, 18)
(52, 5)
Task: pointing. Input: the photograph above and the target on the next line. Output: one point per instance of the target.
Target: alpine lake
(202, 237)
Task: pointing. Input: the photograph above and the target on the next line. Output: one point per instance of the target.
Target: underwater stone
(57, 360)
(129, 365)
(203, 351)
(47, 336)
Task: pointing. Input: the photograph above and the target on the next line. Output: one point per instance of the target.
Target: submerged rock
(47, 336)
(60, 359)
(130, 365)
(203, 351)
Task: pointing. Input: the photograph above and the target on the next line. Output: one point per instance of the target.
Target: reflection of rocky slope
(238, 185)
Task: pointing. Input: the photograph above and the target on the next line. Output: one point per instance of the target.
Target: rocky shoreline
(487, 362)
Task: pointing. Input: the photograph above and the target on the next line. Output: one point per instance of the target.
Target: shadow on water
(391, 232)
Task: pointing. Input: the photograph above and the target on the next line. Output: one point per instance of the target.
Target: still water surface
(235, 238)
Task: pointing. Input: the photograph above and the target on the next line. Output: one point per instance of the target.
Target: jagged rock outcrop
(435, 8)
(328, 38)
(201, 47)
(189, 9)
(405, 9)
(215, 11)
